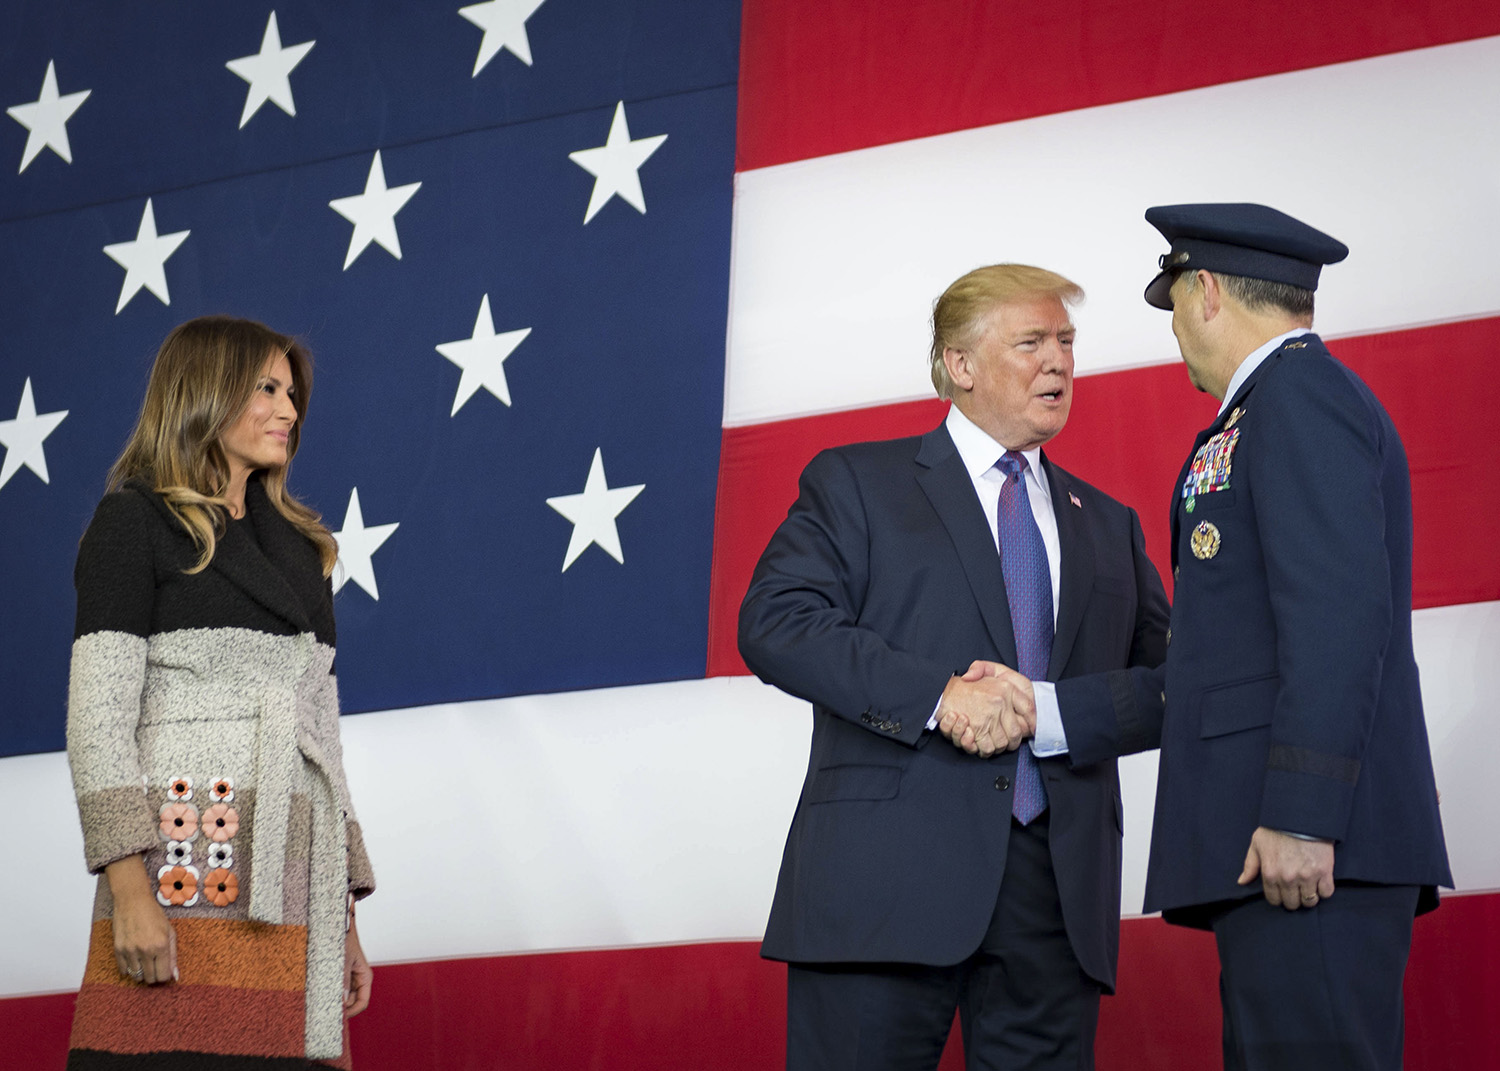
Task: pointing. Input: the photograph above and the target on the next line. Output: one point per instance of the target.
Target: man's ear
(959, 370)
(1213, 295)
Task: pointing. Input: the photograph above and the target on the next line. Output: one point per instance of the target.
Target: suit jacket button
(896, 728)
(1164, 698)
(1002, 782)
(1169, 635)
(865, 717)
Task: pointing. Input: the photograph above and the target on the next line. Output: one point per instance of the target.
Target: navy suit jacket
(1289, 698)
(882, 582)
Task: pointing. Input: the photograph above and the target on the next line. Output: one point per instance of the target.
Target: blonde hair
(958, 315)
(201, 382)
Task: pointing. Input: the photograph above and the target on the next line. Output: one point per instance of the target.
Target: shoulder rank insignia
(1295, 346)
(1205, 541)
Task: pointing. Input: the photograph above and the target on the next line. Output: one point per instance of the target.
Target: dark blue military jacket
(1289, 698)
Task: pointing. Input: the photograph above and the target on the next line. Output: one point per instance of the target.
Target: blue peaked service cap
(1239, 239)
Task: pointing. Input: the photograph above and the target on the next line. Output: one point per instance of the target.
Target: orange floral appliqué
(181, 788)
(179, 821)
(177, 886)
(220, 822)
(221, 790)
(221, 887)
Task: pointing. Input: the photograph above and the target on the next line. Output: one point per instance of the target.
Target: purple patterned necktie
(1028, 589)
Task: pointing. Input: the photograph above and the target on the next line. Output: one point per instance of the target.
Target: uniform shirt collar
(1252, 362)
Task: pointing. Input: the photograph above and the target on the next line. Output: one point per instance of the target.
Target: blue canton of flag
(503, 230)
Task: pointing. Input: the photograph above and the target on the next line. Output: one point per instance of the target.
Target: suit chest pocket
(1238, 705)
(854, 782)
(1206, 503)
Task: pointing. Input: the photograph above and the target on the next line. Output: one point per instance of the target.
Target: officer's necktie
(1028, 589)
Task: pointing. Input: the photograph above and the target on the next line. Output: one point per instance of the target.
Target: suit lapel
(1174, 514)
(293, 557)
(240, 561)
(262, 571)
(945, 481)
(1218, 425)
(1076, 546)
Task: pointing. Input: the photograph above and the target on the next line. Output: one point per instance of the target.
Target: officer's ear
(960, 367)
(1213, 294)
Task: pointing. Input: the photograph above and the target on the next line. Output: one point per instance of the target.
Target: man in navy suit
(935, 863)
(1294, 751)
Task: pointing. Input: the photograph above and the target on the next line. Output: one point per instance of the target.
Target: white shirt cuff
(1050, 739)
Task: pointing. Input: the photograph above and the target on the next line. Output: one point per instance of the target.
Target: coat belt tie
(282, 745)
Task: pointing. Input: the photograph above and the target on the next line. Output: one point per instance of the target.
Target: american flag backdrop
(586, 283)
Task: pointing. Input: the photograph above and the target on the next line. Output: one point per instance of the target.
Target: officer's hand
(1294, 873)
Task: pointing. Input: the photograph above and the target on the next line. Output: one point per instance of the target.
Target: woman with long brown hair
(203, 730)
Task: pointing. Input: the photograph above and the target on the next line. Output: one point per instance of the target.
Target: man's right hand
(989, 709)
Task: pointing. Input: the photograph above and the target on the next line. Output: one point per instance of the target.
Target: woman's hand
(357, 975)
(145, 943)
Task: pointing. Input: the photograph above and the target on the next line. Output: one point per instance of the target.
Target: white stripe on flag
(837, 259)
(628, 816)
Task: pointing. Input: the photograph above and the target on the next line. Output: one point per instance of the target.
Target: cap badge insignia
(1205, 541)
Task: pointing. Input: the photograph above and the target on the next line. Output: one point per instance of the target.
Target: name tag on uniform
(1211, 467)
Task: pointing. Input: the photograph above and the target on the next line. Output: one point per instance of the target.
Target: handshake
(991, 708)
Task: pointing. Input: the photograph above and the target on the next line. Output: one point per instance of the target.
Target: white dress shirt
(979, 454)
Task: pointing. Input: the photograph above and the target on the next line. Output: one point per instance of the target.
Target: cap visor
(1159, 293)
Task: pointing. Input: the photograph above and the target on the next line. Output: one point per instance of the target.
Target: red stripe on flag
(36, 1029)
(1128, 434)
(931, 67)
(1435, 382)
(644, 1009)
(720, 1006)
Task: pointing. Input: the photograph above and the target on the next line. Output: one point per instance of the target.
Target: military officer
(1296, 810)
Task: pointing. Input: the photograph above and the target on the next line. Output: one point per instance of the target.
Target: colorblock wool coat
(203, 732)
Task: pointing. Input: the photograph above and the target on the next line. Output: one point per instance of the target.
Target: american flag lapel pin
(1074, 499)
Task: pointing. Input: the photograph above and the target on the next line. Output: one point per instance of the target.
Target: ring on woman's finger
(138, 974)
